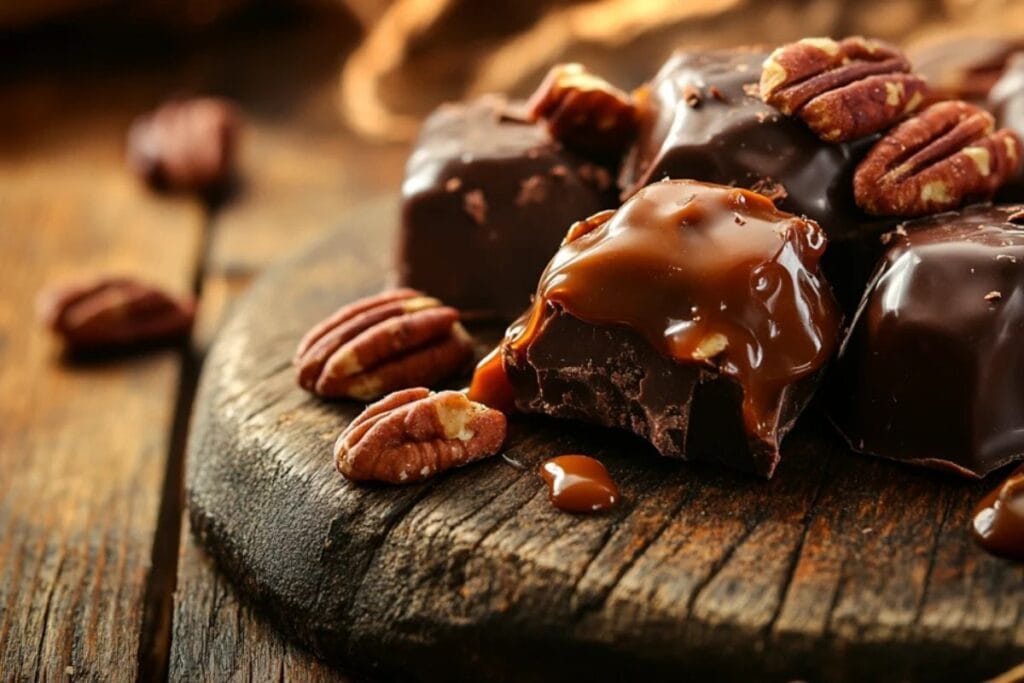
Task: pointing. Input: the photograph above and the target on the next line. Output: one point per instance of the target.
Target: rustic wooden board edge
(322, 578)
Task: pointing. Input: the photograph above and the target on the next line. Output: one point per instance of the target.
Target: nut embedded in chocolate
(842, 90)
(930, 373)
(935, 161)
(113, 313)
(670, 319)
(393, 340)
(413, 434)
(584, 111)
(186, 144)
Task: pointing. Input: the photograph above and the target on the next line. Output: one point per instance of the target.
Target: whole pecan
(942, 157)
(393, 340)
(842, 90)
(413, 434)
(185, 144)
(584, 111)
(113, 313)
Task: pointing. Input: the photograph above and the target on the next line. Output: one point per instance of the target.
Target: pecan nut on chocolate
(843, 90)
(945, 156)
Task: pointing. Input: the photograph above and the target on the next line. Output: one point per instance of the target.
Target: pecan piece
(393, 340)
(942, 157)
(113, 313)
(842, 90)
(185, 144)
(584, 111)
(413, 434)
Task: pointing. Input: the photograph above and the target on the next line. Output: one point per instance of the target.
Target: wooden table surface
(100, 578)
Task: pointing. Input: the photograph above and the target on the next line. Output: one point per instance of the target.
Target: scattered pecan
(113, 313)
(942, 157)
(413, 434)
(186, 144)
(842, 90)
(393, 340)
(584, 111)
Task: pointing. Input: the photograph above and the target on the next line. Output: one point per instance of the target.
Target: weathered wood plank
(84, 448)
(840, 568)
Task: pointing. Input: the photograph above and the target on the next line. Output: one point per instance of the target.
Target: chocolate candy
(931, 370)
(701, 118)
(694, 316)
(1006, 101)
(487, 199)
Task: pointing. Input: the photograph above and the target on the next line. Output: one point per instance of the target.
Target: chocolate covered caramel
(486, 199)
(701, 118)
(694, 316)
(931, 371)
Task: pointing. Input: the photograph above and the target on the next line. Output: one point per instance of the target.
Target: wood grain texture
(84, 447)
(840, 568)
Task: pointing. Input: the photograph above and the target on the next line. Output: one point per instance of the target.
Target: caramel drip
(707, 274)
(491, 385)
(579, 483)
(999, 518)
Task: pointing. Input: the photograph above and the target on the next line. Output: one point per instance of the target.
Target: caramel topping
(999, 519)
(579, 483)
(707, 274)
(491, 385)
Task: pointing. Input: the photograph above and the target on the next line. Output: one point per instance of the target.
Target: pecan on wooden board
(393, 340)
(945, 156)
(113, 313)
(413, 434)
(584, 111)
(843, 90)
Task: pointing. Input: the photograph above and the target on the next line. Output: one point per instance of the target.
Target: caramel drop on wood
(578, 483)
(999, 518)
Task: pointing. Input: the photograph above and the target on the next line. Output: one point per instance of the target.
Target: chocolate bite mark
(685, 296)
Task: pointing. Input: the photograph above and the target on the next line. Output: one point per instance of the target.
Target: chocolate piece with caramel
(695, 316)
(486, 200)
(701, 117)
(931, 371)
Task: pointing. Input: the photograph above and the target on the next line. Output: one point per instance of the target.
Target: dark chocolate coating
(691, 300)
(1006, 101)
(731, 137)
(932, 371)
(487, 199)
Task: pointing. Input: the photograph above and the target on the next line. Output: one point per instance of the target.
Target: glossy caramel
(579, 483)
(708, 275)
(999, 518)
(491, 385)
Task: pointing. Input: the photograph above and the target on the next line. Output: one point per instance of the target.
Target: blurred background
(332, 91)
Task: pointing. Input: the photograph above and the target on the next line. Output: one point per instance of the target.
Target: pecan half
(393, 340)
(185, 144)
(842, 90)
(413, 434)
(113, 313)
(937, 160)
(584, 111)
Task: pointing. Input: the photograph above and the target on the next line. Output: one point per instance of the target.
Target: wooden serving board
(840, 568)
